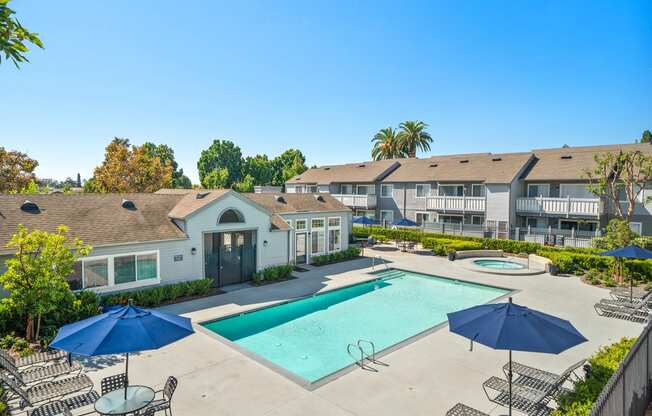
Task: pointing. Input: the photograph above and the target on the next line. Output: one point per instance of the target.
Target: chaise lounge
(36, 373)
(48, 390)
(540, 379)
(36, 358)
(636, 312)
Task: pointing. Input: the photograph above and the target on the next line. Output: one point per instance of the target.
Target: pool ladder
(380, 261)
(353, 349)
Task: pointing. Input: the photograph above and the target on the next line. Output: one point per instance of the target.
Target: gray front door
(301, 248)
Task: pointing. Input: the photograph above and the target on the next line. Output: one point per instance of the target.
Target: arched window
(230, 216)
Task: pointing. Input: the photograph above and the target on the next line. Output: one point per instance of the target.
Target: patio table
(115, 402)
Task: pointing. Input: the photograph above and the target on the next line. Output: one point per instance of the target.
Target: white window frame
(562, 185)
(559, 221)
(427, 190)
(482, 186)
(545, 185)
(313, 189)
(111, 285)
(318, 229)
(343, 190)
(328, 237)
(477, 216)
(457, 185)
(390, 193)
(451, 215)
(391, 215)
(533, 218)
(368, 187)
(640, 227)
(303, 221)
(426, 213)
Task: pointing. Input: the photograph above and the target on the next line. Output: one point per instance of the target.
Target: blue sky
(324, 76)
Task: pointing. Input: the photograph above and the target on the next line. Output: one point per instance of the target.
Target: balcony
(456, 203)
(357, 201)
(560, 206)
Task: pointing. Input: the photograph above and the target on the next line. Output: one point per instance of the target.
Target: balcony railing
(456, 203)
(357, 201)
(560, 206)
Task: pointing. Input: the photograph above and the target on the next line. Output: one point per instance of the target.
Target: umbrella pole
(510, 382)
(127, 376)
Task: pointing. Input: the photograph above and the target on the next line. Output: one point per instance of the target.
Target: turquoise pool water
(308, 337)
(499, 264)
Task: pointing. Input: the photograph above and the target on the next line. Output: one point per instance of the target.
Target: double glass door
(230, 257)
(301, 248)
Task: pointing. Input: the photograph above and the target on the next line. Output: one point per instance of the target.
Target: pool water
(309, 337)
(499, 264)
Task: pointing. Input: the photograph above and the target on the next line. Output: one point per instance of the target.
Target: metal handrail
(380, 260)
(373, 349)
(360, 362)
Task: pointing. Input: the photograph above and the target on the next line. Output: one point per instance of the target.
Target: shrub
(4, 411)
(273, 273)
(16, 344)
(155, 296)
(603, 364)
(349, 253)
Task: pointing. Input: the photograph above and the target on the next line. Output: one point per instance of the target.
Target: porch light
(193, 251)
(265, 243)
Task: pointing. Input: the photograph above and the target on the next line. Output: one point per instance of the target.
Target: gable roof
(192, 200)
(288, 203)
(475, 167)
(563, 164)
(96, 219)
(350, 172)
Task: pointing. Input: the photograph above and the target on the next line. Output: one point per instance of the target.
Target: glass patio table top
(115, 402)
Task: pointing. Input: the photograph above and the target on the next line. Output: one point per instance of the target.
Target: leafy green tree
(646, 137)
(36, 275)
(14, 37)
(413, 136)
(387, 145)
(620, 177)
(32, 188)
(245, 185)
(16, 170)
(259, 168)
(217, 179)
(166, 155)
(220, 154)
(288, 164)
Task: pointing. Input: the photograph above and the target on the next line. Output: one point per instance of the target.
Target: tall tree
(216, 179)
(413, 136)
(128, 168)
(288, 164)
(14, 37)
(259, 168)
(646, 137)
(220, 154)
(620, 177)
(386, 145)
(36, 275)
(16, 170)
(166, 154)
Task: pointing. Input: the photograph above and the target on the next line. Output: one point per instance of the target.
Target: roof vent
(128, 204)
(327, 168)
(279, 198)
(319, 198)
(464, 161)
(496, 159)
(297, 178)
(361, 166)
(29, 206)
(202, 195)
(566, 156)
(433, 165)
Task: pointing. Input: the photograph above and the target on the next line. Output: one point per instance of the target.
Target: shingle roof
(569, 163)
(97, 219)
(351, 172)
(475, 167)
(287, 203)
(193, 200)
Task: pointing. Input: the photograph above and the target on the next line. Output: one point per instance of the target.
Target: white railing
(357, 201)
(565, 206)
(456, 203)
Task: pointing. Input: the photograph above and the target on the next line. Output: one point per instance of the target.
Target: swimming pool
(308, 337)
(499, 264)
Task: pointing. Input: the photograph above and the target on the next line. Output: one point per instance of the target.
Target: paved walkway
(423, 378)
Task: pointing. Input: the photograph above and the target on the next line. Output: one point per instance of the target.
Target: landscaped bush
(273, 273)
(3, 405)
(349, 253)
(161, 294)
(18, 345)
(603, 364)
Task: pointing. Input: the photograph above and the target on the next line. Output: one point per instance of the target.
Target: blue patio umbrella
(629, 252)
(364, 220)
(404, 222)
(121, 330)
(508, 326)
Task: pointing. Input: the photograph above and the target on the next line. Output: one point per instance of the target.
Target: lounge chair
(36, 373)
(625, 293)
(65, 407)
(525, 399)
(540, 379)
(623, 310)
(48, 390)
(461, 409)
(36, 358)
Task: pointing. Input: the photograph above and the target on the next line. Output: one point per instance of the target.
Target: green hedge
(568, 259)
(349, 253)
(3, 405)
(603, 364)
(273, 273)
(160, 294)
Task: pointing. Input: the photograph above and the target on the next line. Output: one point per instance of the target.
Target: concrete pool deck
(426, 377)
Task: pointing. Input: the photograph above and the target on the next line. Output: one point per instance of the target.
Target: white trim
(391, 190)
(391, 212)
(373, 187)
(427, 213)
(318, 229)
(545, 185)
(305, 224)
(439, 186)
(482, 186)
(640, 227)
(426, 193)
(111, 285)
(477, 216)
(328, 236)
(561, 187)
(577, 221)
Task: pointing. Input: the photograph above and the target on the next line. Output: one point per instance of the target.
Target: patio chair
(44, 391)
(36, 358)
(461, 409)
(65, 407)
(112, 383)
(165, 402)
(624, 293)
(540, 379)
(627, 311)
(38, 372)
(525, 399)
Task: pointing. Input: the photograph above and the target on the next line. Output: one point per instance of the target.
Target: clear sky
(324, 76)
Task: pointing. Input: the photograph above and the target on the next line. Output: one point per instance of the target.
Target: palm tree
(413, 136)
(386, 145)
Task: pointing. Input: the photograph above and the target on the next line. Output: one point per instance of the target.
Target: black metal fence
(629, 391)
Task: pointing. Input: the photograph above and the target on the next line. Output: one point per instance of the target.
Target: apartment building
(540, 190)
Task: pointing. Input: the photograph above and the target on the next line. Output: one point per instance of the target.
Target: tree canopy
(646, 137)
(219, 155)
(288, 164)
(404, 142)
(166, 154)
(16, 170)
(386, 145)
(14, 37)
(130, 168)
